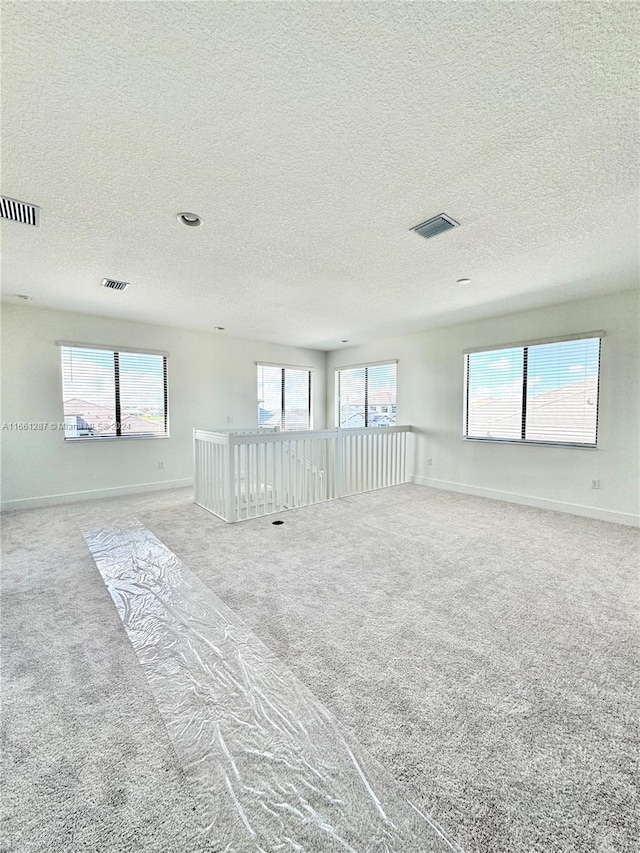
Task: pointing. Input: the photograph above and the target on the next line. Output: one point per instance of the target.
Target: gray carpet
(484, 653)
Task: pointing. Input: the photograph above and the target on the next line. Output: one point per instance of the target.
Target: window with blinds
(366, 396)
(284, 397)
(543, 393)
(113, 394)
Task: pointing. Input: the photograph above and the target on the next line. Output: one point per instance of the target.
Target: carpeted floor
(484, 653)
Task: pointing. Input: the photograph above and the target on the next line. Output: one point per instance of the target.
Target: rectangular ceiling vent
(19, 211)
(434, 226)
(113, 284)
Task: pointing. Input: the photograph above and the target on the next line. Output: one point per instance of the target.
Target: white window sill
(531, 443)
(100, 438)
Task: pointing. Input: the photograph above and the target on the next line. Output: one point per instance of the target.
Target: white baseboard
(95, 494)
(528, 500)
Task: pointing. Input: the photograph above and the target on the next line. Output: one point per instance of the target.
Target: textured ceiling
(310, 137)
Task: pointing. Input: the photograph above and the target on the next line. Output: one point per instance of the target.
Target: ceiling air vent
(19, 211)
(434, 226)
(112, 284)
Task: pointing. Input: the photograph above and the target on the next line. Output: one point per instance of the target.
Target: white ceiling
(310, 137)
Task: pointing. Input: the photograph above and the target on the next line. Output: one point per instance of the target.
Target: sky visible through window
(382, 378)
(498, 373)
(89, 375)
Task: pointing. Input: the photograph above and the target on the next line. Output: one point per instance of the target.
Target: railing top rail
(307, 434)
(376, 429)
(221, 435)
(207, 435)
(289, 435)
(263, 435)
(239, 430)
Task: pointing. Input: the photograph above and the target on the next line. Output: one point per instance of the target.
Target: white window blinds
(113, 394)
(366, 396)
(284, 397)
(543, 393)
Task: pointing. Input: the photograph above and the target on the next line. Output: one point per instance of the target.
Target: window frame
(117, 352)
(283, 368)
(525, 345)
(338, 370)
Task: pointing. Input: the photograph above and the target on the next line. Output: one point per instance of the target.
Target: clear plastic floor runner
(271, 768)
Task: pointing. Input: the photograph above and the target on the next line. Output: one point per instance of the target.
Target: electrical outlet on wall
(429, 461)
(160, 464)
(595, 484)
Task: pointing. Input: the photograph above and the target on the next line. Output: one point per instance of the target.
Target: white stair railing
(251, 473)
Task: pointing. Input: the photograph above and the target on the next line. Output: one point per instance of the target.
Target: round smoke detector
(191, 219)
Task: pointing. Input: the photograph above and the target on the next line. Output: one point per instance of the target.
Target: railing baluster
(240, 475)
(254, 447)
(365, 462)
(218, 461)
(385, 463)
(403, 438)
(263, 479)
(392, 458)
(215, 482)
(207, 484)
(247, 479)
(354, 458)
(259, 478)
(220, 467)
(293, 449)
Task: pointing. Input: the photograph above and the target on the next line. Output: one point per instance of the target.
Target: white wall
(430, 396)
(212, 377)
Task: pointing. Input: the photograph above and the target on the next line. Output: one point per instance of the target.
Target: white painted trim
(366, 364)
(582, 336)
(95, 494)
(286, 366)
(614, 516)
(107, 348)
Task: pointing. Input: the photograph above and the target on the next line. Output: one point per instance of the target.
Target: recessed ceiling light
(24, 297)
(345, 341)
(463, 281)
(219, 328)
(191, 219)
